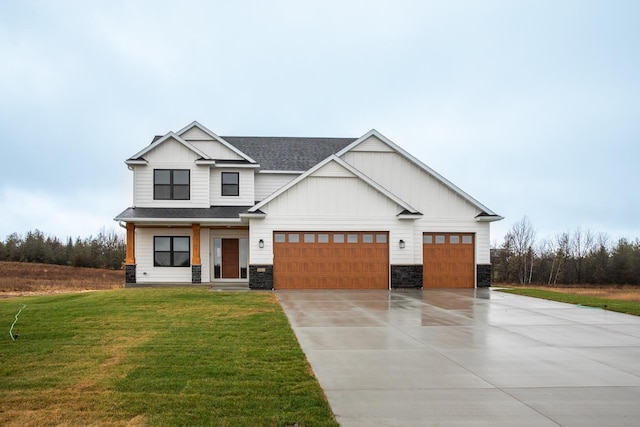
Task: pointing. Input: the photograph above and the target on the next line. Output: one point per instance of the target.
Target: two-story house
(284, 213)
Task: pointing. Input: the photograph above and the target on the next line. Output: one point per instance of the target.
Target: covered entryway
(331, 260)
(230, 258)
(448, 260)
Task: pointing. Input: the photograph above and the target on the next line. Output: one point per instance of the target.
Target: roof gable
(376, 142)
(196, 132)
(136, 158)
(334, 166)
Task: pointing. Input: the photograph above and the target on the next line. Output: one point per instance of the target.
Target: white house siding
(327, 197)
(246, 197)
(171, 151)
(443, 210)
(205, 254)
(373, 144)
(171, 155)
(268, 183)
(330, 203)
(145, 271)
(196, 134)
(143, 192)
(412, 184)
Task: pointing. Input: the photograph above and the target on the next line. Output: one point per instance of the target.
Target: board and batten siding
(145, 271)
(246, 197)
(268, 183)
(203, 142)
(411, 183)
(443, 210)
(331, 199)
(328, 196)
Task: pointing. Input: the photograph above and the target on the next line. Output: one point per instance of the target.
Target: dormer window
(230, 184)
(171, 184)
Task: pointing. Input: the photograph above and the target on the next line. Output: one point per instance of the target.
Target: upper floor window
(171, 184)
(230, 184)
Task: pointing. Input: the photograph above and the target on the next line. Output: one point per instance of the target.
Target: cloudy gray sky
(532, 107)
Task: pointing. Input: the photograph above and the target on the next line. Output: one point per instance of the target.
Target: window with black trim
(230, 184)
(171, 184)
(171, 251)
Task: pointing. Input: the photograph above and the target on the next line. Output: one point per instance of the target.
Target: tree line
(106, 250)
(579, 257)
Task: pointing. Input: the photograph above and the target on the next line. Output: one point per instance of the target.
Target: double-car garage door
(331, 260)
(360, 260)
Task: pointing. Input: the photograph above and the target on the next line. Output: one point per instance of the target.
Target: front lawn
(160, 357)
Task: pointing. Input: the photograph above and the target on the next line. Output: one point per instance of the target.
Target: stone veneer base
(406, 276)
(261, 277)
(129, 273)
(196, 274)
(483, 273)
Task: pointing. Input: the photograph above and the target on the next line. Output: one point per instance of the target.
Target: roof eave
(489, 218)
(238, 165)
(136, 162)
(254, 215)
(283, 172)
(410, 216)
(181, 221)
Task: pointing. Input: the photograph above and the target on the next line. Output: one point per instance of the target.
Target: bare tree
(520, 239)
(560, 253)
(580, 245)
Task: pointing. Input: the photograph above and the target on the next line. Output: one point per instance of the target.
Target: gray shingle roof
(214, 212)
(287, 153)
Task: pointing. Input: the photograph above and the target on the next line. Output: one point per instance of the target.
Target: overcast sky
(531, 107)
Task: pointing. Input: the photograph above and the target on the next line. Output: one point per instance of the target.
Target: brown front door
(230, 259)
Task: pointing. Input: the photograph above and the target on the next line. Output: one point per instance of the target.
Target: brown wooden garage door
(331, 260)
(448, 260)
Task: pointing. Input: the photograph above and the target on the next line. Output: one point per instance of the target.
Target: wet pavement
(468, 358)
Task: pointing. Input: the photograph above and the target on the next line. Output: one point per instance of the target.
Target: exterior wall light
(261, 243)
(402, 244)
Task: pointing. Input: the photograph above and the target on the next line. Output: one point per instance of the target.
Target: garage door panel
(448, 260)
(336, 260)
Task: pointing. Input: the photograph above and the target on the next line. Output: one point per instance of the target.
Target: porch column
(196, 262)
(130, 255)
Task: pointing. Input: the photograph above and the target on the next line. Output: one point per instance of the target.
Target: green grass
(157, 357)
(627, 307)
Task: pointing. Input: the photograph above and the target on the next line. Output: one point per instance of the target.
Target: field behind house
(25, 278)
(622, 293)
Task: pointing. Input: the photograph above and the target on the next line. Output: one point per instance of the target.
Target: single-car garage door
(331, 260)
(448, 260)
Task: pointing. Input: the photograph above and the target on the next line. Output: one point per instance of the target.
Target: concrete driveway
(468, 358)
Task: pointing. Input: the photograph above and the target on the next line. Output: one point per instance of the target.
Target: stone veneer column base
(196, 274)
(129, 273)
(483, 272)
(406, 276)
(261, 277)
